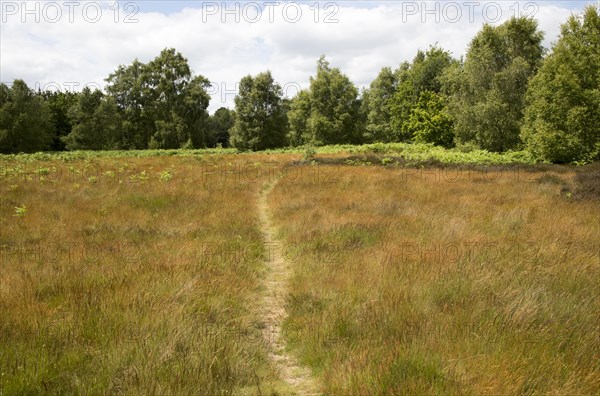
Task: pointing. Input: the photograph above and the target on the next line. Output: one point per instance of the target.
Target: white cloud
(366, 37)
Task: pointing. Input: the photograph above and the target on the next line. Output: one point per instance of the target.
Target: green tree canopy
(261, 120)
(376, 105)
(96, 122)
(220, 124)
(487, 102)
(562, 121)
(329, 112)
(334, 107)
(25, 120)
(424, 74)
(59, 103)
(298, 116)
(429, 121)
(162, 103)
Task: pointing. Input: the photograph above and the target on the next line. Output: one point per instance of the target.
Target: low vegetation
(445, 281)
(133, 275)
(407, 152)
(142, 274)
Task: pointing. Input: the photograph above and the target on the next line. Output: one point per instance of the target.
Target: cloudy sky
(70, 44)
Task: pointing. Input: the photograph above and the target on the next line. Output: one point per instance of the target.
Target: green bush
(429, 121)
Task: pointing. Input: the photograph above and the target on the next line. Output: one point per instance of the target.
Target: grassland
(410, 272)
(444, 281)
(133, 276)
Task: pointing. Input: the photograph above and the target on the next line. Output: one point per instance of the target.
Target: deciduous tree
(59, 104)
(96, 122)
(220, 124)
(424, 74)
(334, 107)
(261, 120)
(376, 103)
(163, 104)
(487, 104)
(25, 120)
(298, 118)
(562, 122)
(429, 121)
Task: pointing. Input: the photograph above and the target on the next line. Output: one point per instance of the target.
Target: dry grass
(142, 276)
(132, 276)
(426, 283)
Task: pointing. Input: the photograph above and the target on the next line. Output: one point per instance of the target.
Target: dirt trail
(272, 308)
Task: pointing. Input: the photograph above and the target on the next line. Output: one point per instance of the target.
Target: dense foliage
(261, 120)
(220, 123)
(25, 120)
(377, 106)
(329, 112)
(163, 104)
(429, 121)
(488, 91)
(504, 96)
(417, 81)
(59, 104)
(96, 122)
(562, 119)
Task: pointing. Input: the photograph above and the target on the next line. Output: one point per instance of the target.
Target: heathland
(392, 269)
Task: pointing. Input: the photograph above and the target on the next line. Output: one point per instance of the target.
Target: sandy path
(272, 307)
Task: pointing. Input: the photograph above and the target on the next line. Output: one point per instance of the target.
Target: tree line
(157, 105)
(508, 93)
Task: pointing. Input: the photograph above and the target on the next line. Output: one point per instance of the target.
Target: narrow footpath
(272, 307)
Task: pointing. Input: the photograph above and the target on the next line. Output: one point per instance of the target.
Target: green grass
(417, 152)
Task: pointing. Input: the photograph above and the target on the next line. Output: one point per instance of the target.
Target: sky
(68, 45)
